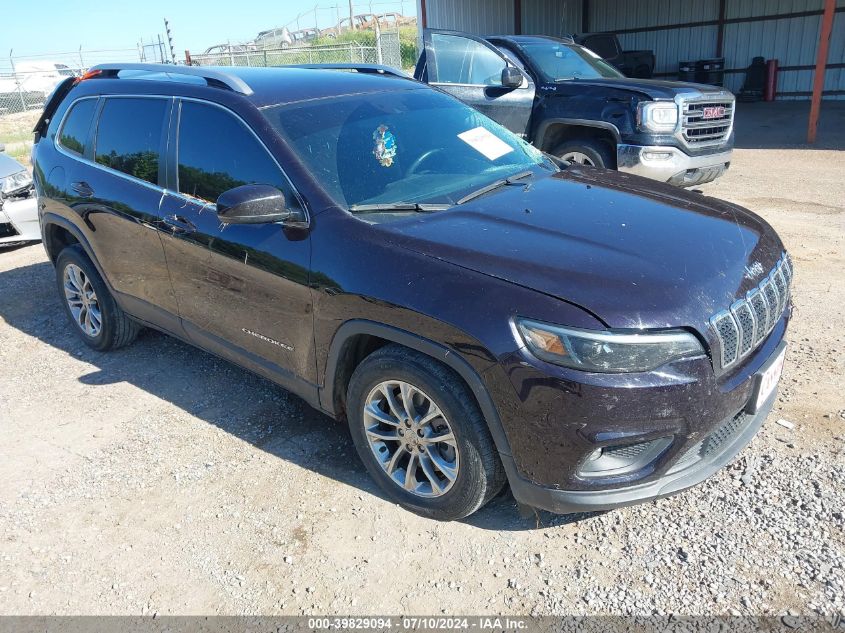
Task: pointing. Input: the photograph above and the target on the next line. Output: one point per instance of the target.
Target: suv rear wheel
(587, 152)
(421, 436)
(98, 320)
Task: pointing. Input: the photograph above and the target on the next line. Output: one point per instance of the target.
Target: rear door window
(129, 136)
(217, 152)
(74, 132)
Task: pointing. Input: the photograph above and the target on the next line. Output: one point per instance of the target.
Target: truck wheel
(587, 152)
(97, 319)
(419, 432)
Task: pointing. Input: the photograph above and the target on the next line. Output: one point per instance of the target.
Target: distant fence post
(265, 57)
(17, 80)
(379, 57)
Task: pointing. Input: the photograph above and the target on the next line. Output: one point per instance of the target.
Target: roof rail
(212, 77)
(374, 69)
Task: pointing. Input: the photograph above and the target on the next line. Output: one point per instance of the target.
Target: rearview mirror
(253, 204)
(511, 77)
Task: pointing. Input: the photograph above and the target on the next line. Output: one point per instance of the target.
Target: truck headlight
(14, 183)
(658, 116)
(607, 352)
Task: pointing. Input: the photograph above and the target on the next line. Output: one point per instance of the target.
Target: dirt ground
(159, 479)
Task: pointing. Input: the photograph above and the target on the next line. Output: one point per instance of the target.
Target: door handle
(82, 188)
(179, 224)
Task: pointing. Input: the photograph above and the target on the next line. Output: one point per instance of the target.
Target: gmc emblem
(713, 112)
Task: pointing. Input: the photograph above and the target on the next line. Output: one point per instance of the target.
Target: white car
(18, 206)
(31, 84)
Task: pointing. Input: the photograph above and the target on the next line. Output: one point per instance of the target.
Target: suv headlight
(607, 352)
(658, 116)
(18, 181)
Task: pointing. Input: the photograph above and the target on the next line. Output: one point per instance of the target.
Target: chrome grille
(698, 131)
(748, 321)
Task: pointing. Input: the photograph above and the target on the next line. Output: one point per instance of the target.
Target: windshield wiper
(397, 206)
(504, 182)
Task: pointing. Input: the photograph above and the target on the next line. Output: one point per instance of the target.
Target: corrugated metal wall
(792, 41)
(551, 18)
(472, 16)
(669, 46)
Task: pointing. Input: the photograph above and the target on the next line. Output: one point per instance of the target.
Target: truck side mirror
(511, 77)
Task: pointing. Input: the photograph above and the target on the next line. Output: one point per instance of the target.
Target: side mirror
(253, 204)
(511, 77)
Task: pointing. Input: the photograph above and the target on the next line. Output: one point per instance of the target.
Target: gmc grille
(742, 327)
(698, 131)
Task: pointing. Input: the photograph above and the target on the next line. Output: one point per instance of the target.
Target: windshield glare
(405, 146)
(559, 62)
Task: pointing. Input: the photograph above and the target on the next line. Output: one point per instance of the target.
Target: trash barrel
(686, 71)
(710, 71)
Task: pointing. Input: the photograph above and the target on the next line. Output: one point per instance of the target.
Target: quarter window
(75, 129)
(217, 153)
(129, 136)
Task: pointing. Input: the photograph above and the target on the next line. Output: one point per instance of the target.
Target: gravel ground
(158, 479)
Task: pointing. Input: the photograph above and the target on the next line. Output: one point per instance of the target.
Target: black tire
(117, 328)
(599, 152)
(480, 473)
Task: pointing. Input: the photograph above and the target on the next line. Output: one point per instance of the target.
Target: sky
(59, 26)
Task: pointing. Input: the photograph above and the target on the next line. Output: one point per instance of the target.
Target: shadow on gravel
(220, 393)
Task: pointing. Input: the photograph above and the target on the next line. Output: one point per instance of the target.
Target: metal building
(676, 30)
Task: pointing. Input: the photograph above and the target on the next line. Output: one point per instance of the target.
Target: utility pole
(351, 16)
(170, 41)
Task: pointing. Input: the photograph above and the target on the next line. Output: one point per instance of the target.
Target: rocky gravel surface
(160, 480)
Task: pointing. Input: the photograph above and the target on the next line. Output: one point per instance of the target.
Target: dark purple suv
(476, 312)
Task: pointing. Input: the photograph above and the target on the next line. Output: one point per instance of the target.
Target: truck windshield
(561, 62)
(401, 147)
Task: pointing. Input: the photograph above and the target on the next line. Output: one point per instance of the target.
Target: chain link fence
(385, 51)
(27, 82)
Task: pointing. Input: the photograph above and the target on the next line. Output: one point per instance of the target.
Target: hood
(9, 165)
(653, 88)
(633, 252)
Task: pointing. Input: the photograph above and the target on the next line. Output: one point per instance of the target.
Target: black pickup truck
(629, 63)
(569, 102)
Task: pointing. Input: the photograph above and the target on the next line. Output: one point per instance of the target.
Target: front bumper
(686, 421)
(19, 220)
(687, 473)
(669, 164)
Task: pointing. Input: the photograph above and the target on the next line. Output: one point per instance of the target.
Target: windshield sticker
(385, 146)
(485, 143)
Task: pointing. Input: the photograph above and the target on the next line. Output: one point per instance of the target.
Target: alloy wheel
(411, 438)
(82, 300)
(578, 158)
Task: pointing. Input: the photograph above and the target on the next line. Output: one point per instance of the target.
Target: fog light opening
(657, 155)
(622, 459)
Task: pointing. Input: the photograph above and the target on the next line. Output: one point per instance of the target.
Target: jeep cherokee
(476, 312)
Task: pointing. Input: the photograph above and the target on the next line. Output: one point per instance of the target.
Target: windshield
(405, 146)
(558, 62)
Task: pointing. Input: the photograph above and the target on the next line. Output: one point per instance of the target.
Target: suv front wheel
(97, 319)
(420, 434)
